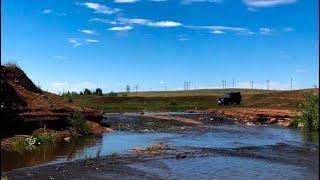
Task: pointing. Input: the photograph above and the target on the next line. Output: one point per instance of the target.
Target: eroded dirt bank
(25, 107)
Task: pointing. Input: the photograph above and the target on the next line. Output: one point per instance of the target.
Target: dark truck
(230, 98)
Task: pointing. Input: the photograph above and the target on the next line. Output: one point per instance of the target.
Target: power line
(233, 83)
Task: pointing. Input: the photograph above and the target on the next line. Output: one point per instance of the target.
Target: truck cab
(229, 98)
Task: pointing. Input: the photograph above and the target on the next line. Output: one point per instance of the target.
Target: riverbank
(281, 117)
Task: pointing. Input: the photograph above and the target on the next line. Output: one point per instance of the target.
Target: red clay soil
(25, 107)
(256, 114)
(174, 118)
(97, 129)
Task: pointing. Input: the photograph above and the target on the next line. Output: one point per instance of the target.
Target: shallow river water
(270, 152)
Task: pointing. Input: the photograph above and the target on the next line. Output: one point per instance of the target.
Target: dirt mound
(25, 107)
(16, 75)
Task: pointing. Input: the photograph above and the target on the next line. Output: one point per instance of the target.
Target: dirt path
(175, 118)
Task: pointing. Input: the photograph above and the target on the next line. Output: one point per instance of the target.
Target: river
(240, 152)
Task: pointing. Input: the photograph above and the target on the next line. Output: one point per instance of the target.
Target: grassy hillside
(197, 92)
(197, 99)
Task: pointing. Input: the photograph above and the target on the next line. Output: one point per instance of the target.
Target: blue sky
(70, 45)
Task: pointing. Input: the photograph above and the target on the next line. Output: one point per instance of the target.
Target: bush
(112, 94)
(11, 64)
(44, 138)
(310, 111)
(173, 103)
(79, 124)
(114, 154)
(99, 92)
(87, 92)
(295, 121)
(21, 144)
(38, 89)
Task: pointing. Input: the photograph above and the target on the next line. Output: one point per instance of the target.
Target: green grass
(189, 100)
(139, 104)
(197, 92)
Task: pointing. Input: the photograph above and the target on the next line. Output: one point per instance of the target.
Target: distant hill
(193, 99)
(200, 92)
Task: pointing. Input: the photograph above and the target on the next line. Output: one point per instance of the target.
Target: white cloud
(195, 1)
(91, 40)
(265, 31)
(120, 28)
(217, 32)
(72, 86)
(252, 9)
(87, 31)
(60, 57)
(125, 1)
(107, 21)
(288, 29)
(267, 3)
(165, 24)
(51, 12)
(99, 8)
(222, 29)
(75, 42)
(150, 23)
(183, 39)
(47, 11)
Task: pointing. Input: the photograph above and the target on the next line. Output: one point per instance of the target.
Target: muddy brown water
(234, 151)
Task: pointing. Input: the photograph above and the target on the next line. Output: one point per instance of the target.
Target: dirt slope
(25, 107)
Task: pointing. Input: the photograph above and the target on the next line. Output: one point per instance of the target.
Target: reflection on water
(311, 137)
(228, 136)
(86, 146)
(44, 154)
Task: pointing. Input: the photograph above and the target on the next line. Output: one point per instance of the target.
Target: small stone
(300, 125)
(286, 123)
(67, 139)
(181, 156)
(273, 120)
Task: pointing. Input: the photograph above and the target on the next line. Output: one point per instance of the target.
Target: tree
(99, 92)
(112, 94)
(81, 93)
(87, 92)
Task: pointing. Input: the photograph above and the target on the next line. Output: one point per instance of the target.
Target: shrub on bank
(295, 121)
(30, 143)
(79, 124)
(310, 111)
(44, 138)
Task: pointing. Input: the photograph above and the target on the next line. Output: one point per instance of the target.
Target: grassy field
(186, 100)
(197, 92)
